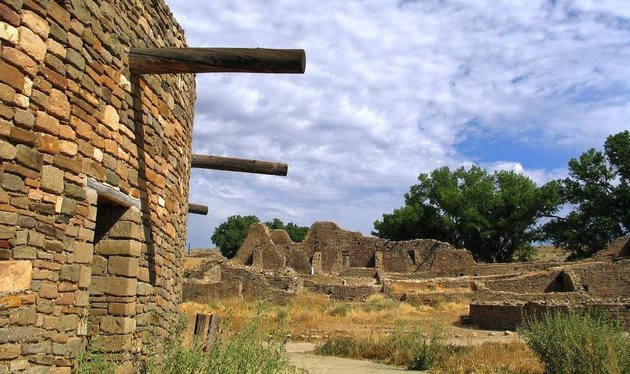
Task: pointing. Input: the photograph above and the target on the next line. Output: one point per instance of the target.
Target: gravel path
(301, 358)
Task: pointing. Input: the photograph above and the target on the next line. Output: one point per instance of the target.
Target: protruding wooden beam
(216, 60)
(197, 209)
(239, 165)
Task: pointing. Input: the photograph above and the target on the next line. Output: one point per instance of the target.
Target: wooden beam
(197, 209)
(239, 165)
(216, 60)
(109, 193)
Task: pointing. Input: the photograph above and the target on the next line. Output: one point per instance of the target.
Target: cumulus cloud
(393, 89)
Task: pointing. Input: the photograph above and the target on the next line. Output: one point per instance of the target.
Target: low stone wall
(509, 315)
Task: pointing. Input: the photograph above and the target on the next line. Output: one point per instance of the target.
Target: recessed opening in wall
(412, 256)
(107, 214)
(345, 259)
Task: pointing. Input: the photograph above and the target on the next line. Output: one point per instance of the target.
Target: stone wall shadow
(145, 204)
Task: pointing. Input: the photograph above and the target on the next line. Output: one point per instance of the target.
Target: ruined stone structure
(349, 266)
(93, 182)
(328, 249)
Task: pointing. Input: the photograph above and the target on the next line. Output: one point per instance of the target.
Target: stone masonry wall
(72, 117)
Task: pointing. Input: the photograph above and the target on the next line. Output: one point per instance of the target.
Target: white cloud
(391, 90)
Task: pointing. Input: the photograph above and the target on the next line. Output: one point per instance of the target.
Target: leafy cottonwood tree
(492, 215)
(598, 187)
(229, 235)
(296, 233)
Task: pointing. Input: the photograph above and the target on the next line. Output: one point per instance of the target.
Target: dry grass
(310, 313)
(491, 358)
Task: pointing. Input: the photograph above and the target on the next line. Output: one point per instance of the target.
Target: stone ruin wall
(332, 250)
(500, 293)
(72, 118)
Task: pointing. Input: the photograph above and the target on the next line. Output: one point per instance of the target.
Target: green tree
(492, 215)
(598, 190)
(229, 235)
(296, 233)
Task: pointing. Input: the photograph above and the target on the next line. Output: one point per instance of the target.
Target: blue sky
(396, 88)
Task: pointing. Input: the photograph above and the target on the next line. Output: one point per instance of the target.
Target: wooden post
(239, 165)
(216, 60)
(213, 331)
(197, 209)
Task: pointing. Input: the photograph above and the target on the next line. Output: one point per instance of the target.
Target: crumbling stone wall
(332, 250)
(93, 181)
(509, 315)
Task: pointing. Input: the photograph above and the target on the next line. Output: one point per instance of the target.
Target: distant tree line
(229, 235)
(498, 215)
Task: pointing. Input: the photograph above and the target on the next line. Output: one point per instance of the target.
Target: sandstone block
(9, 33)
(35, 23)
(12, 182)
(31, 44)
(111, 119)
(48, 291)
(23, 317)
(52, 179)
(68, 322)
(125, 266)
(115, 343)
(117, 325)
(70, 273)
(10, 351)
(29, 157)
(8, 14)
(125, 229)
(47, 123)
(81, 298)
(122, 309)
(15, 276)
(59, 105)
(7, 150)
(11, 76)
(8, 218)
(20, 334)
(24, 252)
(118, 247)
(37, 348)
(83, 252)
(113, 286)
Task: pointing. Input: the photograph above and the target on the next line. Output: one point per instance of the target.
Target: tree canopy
(598, 191)
(229, 235)
(296, 233)
(492, 215)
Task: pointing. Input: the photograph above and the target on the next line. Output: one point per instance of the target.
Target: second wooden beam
(239, 165)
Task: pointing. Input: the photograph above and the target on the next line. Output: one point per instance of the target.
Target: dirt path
(301, 358)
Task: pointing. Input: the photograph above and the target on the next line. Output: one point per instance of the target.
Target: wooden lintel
(197, 209)
(239, 165)
(216, 60)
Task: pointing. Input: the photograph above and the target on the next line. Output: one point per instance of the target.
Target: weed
(578, 342)
(91, 360)
(340, 310)
(405, 347)
(258, 347)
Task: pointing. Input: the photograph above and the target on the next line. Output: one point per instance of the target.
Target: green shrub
(378, 302)
(258, 347)
(91, 360)
(578, 342)
(340, 310)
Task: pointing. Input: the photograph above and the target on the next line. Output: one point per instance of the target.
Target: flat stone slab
(15, 276)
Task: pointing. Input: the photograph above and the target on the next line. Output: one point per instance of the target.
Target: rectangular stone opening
(113, 288)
